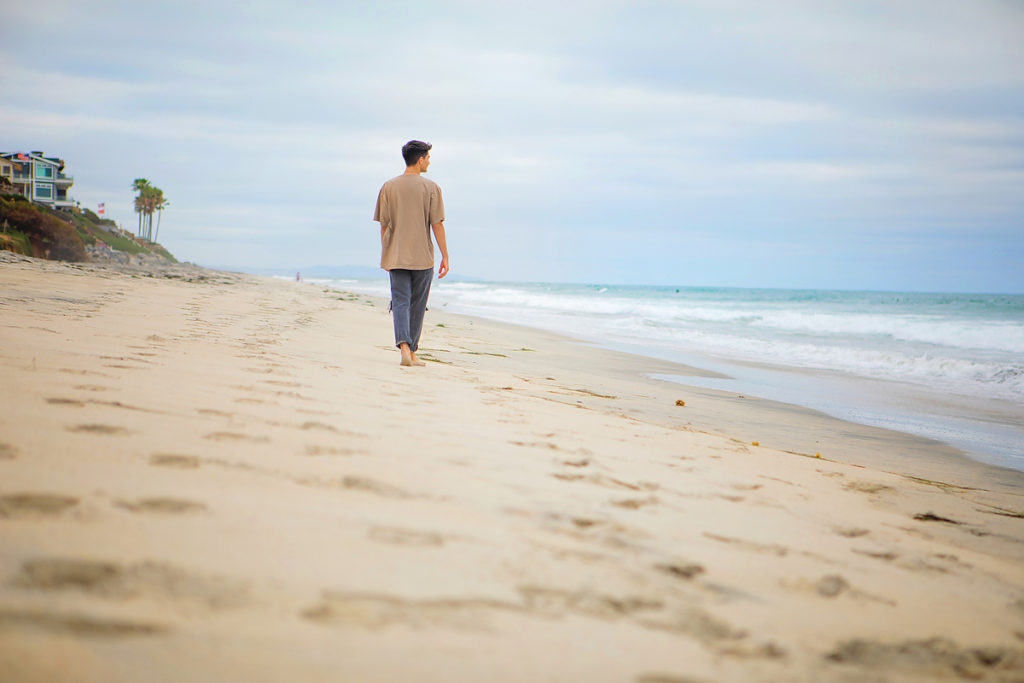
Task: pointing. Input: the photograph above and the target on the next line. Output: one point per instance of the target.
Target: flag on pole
(102, 208)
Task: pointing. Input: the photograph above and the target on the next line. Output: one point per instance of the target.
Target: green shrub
(124, 244)
(15, 241)
(22, 215)
(84, 234)
(49, 236)
(62, 240)
(96, 220)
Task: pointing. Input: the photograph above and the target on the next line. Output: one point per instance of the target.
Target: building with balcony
(38, 177)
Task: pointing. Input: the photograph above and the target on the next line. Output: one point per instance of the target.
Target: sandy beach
(208, 476)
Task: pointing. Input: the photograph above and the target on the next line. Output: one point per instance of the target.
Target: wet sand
(209, 476)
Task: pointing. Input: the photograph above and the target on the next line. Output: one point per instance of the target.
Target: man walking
(408, 208)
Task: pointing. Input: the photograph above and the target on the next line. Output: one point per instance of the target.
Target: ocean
(944, 366)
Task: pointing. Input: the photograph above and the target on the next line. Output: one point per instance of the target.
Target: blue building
(38, 177)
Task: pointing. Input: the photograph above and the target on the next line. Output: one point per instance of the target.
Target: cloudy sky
(854, 145)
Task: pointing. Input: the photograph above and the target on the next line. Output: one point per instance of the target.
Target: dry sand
(216, 477)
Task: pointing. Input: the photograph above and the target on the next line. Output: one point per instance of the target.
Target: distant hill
(36, 230)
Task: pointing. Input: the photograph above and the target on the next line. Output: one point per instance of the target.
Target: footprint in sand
(380, 611)
(536, 444)
(332, 450)
(91, 387)
(584, 523)
(66, 402)
(377, 611)
(609, 531)
(731, 499)
(7, 452)
(646, 612)
(870, 487)
(634, 503)
(668, 678)
(558, 602)
(79, 624)
(883, 555)
(292, 394)
(954, 561)
(318, 425)
(833, 585)
(851, 532)
(933, 658)
(932, 517)
(400, 536)
(213, 413)
(61, 573)
(162, 505)
(98, 429)
(681, 570)
(30, 505)
(374, 486)
(235, 436)
(172, 460)
(307, 411)
(76, 371)
(149, 578)
(576, 463)
(752, 546)
(606, 482)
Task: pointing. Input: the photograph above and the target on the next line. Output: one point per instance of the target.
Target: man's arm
(383, 229)
(438, 229)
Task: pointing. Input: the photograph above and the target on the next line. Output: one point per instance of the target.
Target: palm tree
(139, 209)
(163, 204)
(140, 185)
(149, 199)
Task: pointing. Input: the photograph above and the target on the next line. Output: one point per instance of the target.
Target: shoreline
(228, 477)
(985, 426)
(862, 444)
(859, 444)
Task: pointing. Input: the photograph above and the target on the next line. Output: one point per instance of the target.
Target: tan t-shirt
(406, 207)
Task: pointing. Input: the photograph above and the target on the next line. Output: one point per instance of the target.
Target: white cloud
(737, 118)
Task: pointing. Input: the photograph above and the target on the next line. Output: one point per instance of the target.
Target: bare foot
(408, 357)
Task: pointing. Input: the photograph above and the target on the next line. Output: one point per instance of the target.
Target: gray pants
(409, 291)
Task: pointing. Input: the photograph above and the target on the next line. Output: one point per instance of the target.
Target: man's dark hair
(413, 150)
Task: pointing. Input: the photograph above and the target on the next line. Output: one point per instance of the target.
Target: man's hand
(442, 244)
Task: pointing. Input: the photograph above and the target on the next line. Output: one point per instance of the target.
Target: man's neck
(411, 170)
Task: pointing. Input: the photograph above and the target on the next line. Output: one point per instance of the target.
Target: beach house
(38, 177)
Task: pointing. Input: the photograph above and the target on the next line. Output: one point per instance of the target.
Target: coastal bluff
(32, 229)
